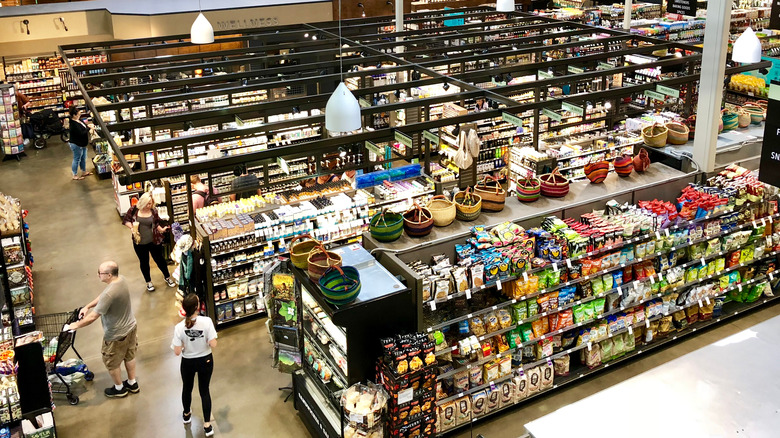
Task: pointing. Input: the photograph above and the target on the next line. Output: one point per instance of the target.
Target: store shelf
(231, 300)
(233, 280)
(254, 314)
(325, 354)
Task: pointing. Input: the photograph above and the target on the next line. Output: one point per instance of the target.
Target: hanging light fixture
(505, 5)
(342, 112)
(201, 31)
(747, 48)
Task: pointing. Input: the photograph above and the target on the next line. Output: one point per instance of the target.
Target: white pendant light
(747, 48)
(505, 5)
(342, 112)
(201, 31)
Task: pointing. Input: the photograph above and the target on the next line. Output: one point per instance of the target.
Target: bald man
(119, 329)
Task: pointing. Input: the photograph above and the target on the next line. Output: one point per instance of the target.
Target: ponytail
(190, 304)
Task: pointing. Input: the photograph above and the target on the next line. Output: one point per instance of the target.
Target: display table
(724, 389)
(741, 146)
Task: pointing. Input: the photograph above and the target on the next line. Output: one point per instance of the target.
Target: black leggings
(203, 367)
(143, 251)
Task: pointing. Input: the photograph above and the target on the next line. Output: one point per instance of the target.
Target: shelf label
(544, 74)
(405, 396)
(430, 136)
(364, 103)
(402, 138)
(630, 330)
(433, 305)
(655, 95)
(604, 66)
(568, 263)
(380, 152)
(575, 70)
(511, 118)
(552, 114)
(498, 284)
(667, 91)
(283, 165)
(468, 294)
(574, 109)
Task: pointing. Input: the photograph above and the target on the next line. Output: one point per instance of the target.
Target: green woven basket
(340, 285)
(386, 227)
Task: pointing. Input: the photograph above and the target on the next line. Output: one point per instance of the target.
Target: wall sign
(247, 23)
(684, 7)
(770, 149)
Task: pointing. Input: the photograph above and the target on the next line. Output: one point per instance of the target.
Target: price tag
(763, 223)
(468, 294)
(555, 267)
(770, 219)
(703, 263)
(647, 323)
(652, 279)
(700, 304)
(549, 362)
(666, 231)
(739, 287)
(771, 276)
(481, 286)
(755, 225)
(590, 347)
(498, 284)
(430, 329)
(660, 276)
(630, 330)
(433, 305)
(568, 263)
(636, 284)
(707, 300)
(525, 276)
(469, 316)
(620, 290)
(657, 235)
(358, 418)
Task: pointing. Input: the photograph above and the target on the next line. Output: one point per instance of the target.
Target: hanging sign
(575, 70)
(604, 66)
(552, 114)
(283, 165)
(430, 136)
(667, 91)
(770, 149)
(404, 139)
(379, 152)
(544, 74)
(511, 118)
(574, 109)
(654, 95)
(682, 7)
(364, 103)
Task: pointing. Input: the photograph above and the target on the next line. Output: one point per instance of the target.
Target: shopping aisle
(73, 227)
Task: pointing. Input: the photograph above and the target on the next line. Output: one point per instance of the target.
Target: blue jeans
(79, 159)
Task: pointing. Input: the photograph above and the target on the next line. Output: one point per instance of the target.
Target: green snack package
(533, 308)
(519, 311)
(629, 342)
(702, 274)
(597, 286)
(526, 332)
(598, 305)
(655, 288)
(607, 348)
(514, 339)
(720, 264)
(553, 278)
(589, 312)
(579, 313)
(607, 281)
(711, 268)
(723, 282)
(542, 279)
(691, 274)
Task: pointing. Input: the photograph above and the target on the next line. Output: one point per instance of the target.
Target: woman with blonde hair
(147, 232)
(193, 339)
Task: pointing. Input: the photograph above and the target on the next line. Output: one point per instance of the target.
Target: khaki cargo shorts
(121, 350)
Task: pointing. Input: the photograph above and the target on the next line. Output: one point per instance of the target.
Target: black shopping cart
(51, 326)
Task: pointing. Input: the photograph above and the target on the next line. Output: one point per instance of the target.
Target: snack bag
(520, 383)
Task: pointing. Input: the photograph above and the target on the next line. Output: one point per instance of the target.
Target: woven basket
(299, 252)
(729, 120)
(386, 227)
(493, 195)
(756, 113)
(678, 133)
(743, 118)
(467, 211)
(553, 184)
(624, 165)
(528, 189)
(655, 135)
(418, 221)
(339, 285)
(641, 160)
(597, 172)
(320, 260)
(443, 210)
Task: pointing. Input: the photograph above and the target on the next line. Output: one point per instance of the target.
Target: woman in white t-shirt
(193, 339)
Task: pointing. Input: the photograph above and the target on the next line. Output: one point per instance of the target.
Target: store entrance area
(75, 227)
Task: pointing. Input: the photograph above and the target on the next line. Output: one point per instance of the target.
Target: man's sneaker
(150, 286)
(132, 388)
(116, 393)
(209, 430)
(170, 282)
(187, 418)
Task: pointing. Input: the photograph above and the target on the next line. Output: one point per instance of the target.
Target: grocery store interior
(484, 221)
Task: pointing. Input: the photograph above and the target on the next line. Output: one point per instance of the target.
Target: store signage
(364, 103)
(683, 7)
(283, 165)
(574, 109)
(667, 91)
(774, 18)
(402, 138)
(575, 70)
(511, 118)
(544, 75)
(604, 66)
(552, 114)
(770, 149)
(380, 152)
(430, 136)
(655, 95)
(247, 23)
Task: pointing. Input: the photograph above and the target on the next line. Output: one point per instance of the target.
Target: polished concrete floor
(74, 226)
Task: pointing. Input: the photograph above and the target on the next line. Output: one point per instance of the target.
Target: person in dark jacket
(147, 232)
(79, 139)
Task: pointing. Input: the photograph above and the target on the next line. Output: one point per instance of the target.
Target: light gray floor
(74, 227)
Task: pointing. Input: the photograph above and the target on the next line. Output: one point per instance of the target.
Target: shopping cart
(56, 343)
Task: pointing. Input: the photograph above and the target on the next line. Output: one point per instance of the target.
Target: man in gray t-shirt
(119, 329)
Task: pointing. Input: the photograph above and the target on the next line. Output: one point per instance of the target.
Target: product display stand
(16, 273)
(341, 343)
(10, 126)
(34, 391)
